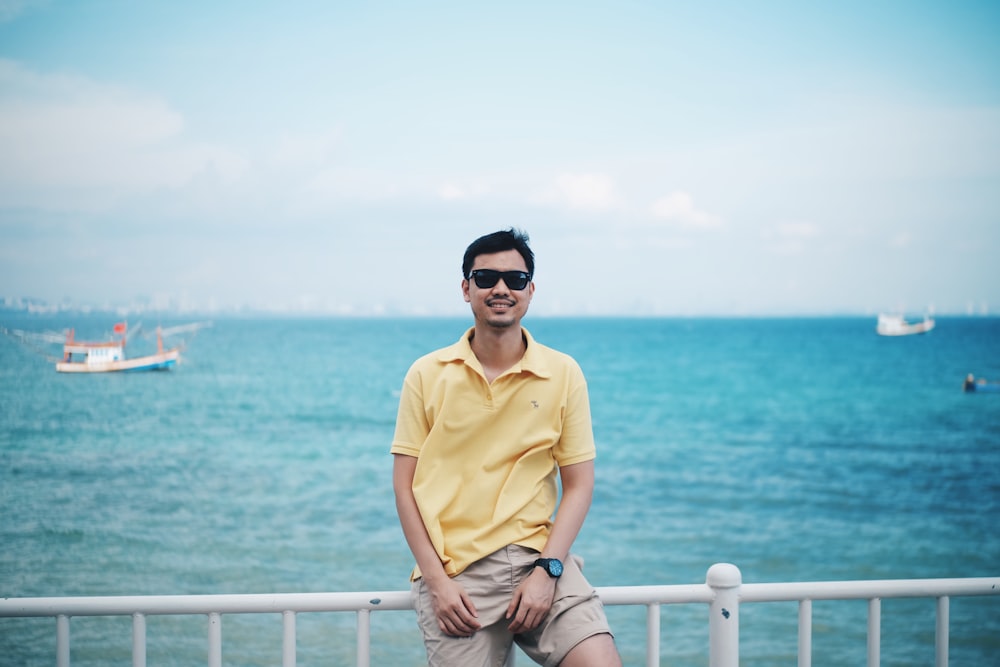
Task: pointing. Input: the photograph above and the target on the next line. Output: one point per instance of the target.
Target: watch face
(555, 567)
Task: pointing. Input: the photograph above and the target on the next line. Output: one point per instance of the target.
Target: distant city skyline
(172, 308)
(337, 158)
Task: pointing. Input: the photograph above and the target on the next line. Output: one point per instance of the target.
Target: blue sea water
(797, 449)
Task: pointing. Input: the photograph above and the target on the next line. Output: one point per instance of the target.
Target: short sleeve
(576, 442)
(411, 419)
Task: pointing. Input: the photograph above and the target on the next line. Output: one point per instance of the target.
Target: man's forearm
(578, 492)
(410, 520)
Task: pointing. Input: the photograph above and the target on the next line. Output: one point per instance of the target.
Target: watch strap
(552, 566)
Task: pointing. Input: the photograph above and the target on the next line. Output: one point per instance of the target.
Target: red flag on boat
(121, 327)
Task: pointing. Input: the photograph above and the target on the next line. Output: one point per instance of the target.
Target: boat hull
(153, 362)
(897, 326)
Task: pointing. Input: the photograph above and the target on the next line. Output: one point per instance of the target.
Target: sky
(666, 158)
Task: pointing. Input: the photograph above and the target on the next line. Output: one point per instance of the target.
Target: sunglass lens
(516, 280)
(486, 278)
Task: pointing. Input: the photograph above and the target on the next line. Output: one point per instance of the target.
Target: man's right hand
(456, 615)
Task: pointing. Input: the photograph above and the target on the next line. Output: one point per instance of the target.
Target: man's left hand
(531, 602)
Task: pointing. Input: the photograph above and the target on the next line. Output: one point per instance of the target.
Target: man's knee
(594, 651)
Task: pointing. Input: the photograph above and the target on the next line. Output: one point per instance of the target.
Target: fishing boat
(105, 356)
(109, 356)
(896, 325)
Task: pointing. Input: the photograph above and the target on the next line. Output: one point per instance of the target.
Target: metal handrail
(723, 592)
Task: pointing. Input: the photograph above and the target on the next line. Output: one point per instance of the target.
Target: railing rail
(723, 592)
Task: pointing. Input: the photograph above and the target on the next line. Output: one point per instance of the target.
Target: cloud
(452, 191)
(79, 136)
(585, 192)
(678, 207)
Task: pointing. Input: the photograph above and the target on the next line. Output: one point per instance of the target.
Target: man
(483, 428)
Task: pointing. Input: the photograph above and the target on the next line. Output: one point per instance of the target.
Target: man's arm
(533, 598)
(454, 609)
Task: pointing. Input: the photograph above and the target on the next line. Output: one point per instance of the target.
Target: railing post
(874, 632)
(214, 639)
(288, 639)
(805, 633)
(724, 615)
(652, 635)
(941, 632)
(364, 638)
(138, 640)
(62, 640)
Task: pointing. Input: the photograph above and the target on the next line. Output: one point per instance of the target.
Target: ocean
(797, 449)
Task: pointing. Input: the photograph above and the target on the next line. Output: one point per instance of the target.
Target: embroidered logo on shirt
(535, 404)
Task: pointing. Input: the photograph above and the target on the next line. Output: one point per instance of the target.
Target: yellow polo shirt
(487, 454)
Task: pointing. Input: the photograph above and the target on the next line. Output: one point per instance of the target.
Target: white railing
(723, 592)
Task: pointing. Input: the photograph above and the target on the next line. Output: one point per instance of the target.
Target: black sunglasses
(487, 278)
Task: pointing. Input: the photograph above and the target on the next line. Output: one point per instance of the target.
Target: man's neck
(497, 349)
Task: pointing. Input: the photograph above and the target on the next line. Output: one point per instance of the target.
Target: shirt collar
(532, 362)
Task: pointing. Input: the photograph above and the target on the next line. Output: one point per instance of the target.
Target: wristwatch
(552, 566)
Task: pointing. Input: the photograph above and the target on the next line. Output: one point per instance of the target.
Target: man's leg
(575, 628)
(595, 651)
(488, 583)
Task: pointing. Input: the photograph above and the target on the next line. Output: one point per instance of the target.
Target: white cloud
(452, 191)
(585, 192)
(77, 135)
(678, 207)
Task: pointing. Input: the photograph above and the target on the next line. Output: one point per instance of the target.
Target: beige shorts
(576, 614)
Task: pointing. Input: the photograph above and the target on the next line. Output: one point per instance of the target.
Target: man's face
(498, 306)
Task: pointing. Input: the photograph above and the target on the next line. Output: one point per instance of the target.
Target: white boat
(106, 356)
(896, 325)
(109, 356)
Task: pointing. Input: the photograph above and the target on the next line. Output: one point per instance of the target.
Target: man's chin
(505, 321)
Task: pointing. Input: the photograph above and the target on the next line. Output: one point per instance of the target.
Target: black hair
(510, 239)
